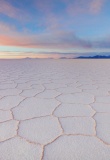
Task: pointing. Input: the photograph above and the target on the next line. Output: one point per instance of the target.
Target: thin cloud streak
(55, 40)
(58, 39)
(49, 55)
(84, 6)
(11, 11)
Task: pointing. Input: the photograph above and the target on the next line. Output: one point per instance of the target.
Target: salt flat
(54, 109)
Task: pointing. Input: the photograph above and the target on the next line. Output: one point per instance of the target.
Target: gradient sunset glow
(54, 28)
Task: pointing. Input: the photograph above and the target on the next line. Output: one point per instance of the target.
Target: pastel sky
(54, 28)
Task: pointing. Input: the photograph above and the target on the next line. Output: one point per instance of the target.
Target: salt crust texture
(54, 109)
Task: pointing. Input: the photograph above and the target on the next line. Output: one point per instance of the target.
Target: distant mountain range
(94, 57)
(80, 57)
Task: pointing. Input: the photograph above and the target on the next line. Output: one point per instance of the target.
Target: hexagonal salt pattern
(54, 109)
(19, 149)
(24, 86)
(35, 107)
(101, 107)
(83, 98)
(10, 92)
(40, 130)
(9, 102)
(77, 125)
(103, 126)
(8, 130)
(77, 148)
(68, 110)
(48, 94)
(30, 92)
(5, 115)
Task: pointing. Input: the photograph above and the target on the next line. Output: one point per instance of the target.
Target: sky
(54, 28)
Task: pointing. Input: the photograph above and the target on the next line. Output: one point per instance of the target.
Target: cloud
(11, 11)
(49, 18)
(84, 6)
(50, 55)
(52, 40)
(96, 6)
(6, 28)
(7, 9)
(44, 13)
(58, 39)
(103, 43)
(55, 55)
(55, 33)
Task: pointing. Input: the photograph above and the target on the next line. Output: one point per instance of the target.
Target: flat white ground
(54, 109)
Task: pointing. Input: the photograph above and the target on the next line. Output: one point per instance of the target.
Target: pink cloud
(6, 28)
(96, 6)
(50, 19)
(59, 39)
(9, 10)
(84, 6)
(55, 40)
